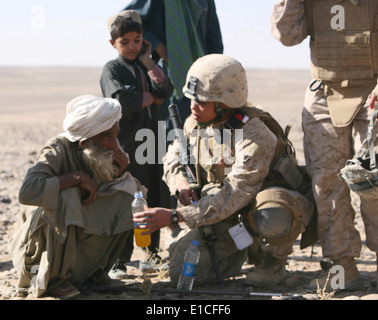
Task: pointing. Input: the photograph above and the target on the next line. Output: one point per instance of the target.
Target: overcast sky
(74, 33)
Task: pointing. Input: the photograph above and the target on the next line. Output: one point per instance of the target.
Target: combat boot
(352, 279)
(269, 273)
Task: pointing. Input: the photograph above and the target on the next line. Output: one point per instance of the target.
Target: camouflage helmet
(217, 78)
(360, 178)
(361, 172)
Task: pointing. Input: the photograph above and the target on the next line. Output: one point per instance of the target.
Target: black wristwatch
(174, 217)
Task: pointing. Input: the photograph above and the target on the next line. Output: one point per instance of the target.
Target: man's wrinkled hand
(121, 160)
(88, 188)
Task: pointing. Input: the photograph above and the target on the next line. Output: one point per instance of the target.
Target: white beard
(100, 163)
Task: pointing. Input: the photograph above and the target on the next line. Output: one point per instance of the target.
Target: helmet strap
(219, 111)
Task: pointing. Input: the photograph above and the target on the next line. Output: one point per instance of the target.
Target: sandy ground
(32, 107)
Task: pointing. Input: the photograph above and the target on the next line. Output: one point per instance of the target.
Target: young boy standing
(140, 86)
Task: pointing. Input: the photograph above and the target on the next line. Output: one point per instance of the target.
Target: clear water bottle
(139, 204)
(191, 259)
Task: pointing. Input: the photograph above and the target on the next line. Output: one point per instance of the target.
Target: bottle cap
(195, 243)
(138, 194)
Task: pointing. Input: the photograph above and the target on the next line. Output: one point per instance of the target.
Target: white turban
(87, 116)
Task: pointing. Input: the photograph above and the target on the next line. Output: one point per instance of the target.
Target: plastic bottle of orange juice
(139, 204)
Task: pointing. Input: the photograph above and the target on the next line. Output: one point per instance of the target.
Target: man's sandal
(99, 278)
(64, 291)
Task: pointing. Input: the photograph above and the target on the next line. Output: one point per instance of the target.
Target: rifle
(184, 157)
(209, 236)
(139, 289)
(206, 231)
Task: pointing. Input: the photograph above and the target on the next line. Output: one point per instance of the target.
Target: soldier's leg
(368, 204)
(279, 217)
(327, 148)
(370, 218)
(229, 258)
(270, 266)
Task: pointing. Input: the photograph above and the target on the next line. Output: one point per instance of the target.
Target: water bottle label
(139, 224)
(189, 269)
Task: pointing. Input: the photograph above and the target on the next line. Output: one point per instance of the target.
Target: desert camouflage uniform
(328, 146)
(233, 192)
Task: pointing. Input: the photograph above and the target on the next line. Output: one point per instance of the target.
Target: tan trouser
(327, 148)
(229, 259)
(45, 261)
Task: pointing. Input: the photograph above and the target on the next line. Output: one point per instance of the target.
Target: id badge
(240, 236)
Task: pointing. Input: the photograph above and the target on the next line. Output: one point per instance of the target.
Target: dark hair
(123, 25)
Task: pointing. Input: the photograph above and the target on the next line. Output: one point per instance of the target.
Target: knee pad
(280, 215)
(273, 222)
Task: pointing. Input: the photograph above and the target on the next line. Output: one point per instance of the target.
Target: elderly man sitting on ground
(77, 204)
